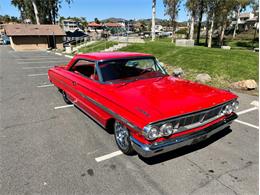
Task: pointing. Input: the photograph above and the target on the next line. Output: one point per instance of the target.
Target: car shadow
(185, 150)
(175, 153)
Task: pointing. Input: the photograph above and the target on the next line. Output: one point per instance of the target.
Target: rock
(245, 85)
(203, 78)
(177, 72)
(226, 47)
(184, 42)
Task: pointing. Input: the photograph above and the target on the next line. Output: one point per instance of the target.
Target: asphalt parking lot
(49, 148)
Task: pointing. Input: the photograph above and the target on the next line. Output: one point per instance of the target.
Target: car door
(87, 86)
(63, 79)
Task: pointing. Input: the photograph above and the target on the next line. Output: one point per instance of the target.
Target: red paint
(140, 102)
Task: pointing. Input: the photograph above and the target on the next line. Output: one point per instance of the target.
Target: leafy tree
(254, 4)
(212, 9)
(192, 6)
(172, 8)
(40, 11)
(201, 10)
(5, 18)
(35, 9)
(227, 6)
(25, 8)
(97, 20)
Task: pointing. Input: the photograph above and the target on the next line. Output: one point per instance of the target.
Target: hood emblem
(142, 111)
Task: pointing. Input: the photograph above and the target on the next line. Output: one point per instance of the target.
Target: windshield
(130, 69)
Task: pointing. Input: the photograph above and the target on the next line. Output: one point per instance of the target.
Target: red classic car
(150, 112)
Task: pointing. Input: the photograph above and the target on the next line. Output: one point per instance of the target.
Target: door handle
(74, 83)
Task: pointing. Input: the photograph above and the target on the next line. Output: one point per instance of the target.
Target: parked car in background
(149, 111)
(145, 34)
(6, 40)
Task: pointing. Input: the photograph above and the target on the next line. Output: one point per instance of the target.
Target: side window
(85, 68)
(142, 64)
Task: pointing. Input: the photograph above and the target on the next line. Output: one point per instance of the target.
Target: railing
(79, 40)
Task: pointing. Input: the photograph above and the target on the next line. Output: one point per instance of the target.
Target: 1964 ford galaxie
(150, 112)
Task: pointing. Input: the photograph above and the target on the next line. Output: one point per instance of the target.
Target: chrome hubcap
(121, 135)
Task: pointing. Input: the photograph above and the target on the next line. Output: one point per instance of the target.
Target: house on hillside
(34, 37)
(115, 28)
(246, 21)
(93, 26)
(70, 25)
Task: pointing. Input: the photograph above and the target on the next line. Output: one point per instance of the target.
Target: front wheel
(122, 138)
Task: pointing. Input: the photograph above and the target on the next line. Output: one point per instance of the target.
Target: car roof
(111, 55)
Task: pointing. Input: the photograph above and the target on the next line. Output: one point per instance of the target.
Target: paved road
(52, 151)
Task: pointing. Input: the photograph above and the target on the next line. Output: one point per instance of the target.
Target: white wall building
(70, 25)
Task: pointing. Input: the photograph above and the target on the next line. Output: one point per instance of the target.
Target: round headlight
(229, 109)
(153, 133)
(166, 129)
(224, 110)
(235, 105)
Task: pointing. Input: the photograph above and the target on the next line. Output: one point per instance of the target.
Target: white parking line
(34, 75)
(68, 56)
(247, 110)
(42, 86)
(255, 103)
(108, 156)
(248, 124)
(59, 54)
(39, 67)
(66, 106)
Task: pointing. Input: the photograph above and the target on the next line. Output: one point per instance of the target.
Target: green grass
(224, 66)
(98, 46)
(242, 44)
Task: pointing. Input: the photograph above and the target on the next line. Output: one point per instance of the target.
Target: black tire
(127, 148)
(65, 98)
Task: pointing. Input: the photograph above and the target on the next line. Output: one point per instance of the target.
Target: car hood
(164, 97)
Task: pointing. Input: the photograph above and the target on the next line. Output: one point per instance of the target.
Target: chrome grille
(194, 120)
(200, 117)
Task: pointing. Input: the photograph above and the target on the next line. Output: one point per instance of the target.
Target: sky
(102, 9)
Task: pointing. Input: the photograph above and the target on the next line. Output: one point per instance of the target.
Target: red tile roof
(94, 24)
(33, 30)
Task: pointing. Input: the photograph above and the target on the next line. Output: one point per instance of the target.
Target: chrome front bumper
(157, 148)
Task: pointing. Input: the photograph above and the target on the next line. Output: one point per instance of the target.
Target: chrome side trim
(92, 117)
(116, 116)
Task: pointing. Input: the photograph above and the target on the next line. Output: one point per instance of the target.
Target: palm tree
(172, 8)
(153, 18)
